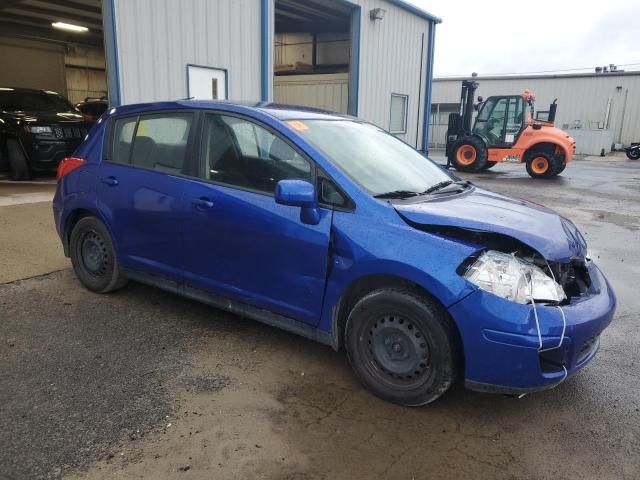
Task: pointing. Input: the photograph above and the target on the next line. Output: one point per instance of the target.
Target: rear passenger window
(160, 142)
(123, 130)
(241, 153)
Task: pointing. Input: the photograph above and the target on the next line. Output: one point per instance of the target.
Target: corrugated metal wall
(392, 60)
(157, 38)
(581, 99)
(328, 91)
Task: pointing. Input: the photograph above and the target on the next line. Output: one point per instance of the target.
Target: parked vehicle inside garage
(93, 108)
(38, 129)
(505, 130)
(331, 228)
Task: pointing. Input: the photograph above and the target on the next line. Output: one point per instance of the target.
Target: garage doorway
(316, 54)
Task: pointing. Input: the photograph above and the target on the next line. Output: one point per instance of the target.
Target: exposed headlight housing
(38, 130)
(514, 279)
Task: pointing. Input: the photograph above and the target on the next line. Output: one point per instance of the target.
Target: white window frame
(406, 113)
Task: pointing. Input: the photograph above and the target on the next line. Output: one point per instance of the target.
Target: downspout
(111, 52)
(264, 26)
(429, 82)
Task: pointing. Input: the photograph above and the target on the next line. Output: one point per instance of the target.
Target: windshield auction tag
(297, 125)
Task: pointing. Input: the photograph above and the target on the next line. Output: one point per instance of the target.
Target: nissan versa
(329, 227)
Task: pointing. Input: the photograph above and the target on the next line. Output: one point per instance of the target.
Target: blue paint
(289, 268)
(354, 73)
(111, 52)
(429, 88)
(265, 51)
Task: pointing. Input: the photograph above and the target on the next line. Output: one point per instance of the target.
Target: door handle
(111, 181)
(202, 202)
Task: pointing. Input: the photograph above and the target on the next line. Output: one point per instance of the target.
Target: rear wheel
(402, 346)
(469, 155)
(543, 165)
(17, 161)
(633, 154)
(93, 256)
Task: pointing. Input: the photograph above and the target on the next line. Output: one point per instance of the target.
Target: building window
(398, 122)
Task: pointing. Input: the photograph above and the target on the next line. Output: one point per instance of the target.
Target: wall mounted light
(377, 13)
(69, 27)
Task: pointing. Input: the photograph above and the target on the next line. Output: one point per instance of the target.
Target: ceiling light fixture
(69, 27)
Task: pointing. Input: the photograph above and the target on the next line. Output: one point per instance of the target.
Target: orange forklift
(505, 130)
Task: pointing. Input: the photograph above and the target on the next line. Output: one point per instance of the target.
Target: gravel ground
(143, 384)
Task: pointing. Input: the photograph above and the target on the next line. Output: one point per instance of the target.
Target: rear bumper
(501, 343)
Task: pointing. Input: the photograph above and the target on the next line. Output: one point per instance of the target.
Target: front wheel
(633, 154)
(94, 258)
(17, 161)
(402, 346)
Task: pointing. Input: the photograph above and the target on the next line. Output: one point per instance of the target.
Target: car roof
(276, 110)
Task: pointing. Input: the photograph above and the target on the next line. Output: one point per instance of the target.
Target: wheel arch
(362, 286)
(547, 146)
(72, 219)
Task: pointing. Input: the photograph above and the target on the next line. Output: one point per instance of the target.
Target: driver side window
(237, 152)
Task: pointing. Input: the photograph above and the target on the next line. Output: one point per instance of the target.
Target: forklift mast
(467, 96)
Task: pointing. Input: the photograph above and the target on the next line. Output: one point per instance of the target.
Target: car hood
(46, 118)
(553, 236)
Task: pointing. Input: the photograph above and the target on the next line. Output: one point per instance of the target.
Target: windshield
(376, 160)
(15, 101)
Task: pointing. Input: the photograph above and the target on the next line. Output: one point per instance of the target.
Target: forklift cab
(500, 120)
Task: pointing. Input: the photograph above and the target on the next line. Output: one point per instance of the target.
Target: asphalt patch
(84, 373)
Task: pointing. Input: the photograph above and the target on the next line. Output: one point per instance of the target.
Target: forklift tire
(543, 165)
(469, 155)
(489, 165)
(17, 161)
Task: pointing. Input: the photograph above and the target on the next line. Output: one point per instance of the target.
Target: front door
(141, 190)
(238, 241)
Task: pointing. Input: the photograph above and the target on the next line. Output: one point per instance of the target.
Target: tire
(414, 329)
(93, 257)
(561, 167)
(543, 165)
(469, 154)
(633, 154)
(18, 165)
(489, 165)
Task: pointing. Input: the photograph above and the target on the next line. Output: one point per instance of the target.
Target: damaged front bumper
(501, 343)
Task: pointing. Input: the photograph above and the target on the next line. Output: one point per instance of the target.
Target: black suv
(38, 128)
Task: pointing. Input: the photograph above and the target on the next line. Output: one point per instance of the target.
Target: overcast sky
(501, 36)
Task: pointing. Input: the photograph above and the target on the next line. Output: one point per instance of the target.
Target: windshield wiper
(437, 186)
(397, 194)
(442, 187)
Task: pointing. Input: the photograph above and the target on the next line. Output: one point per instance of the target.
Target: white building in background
(596, 108)
(370, 58)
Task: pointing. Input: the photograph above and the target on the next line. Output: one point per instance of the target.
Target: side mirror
(296, 193)
(299, 193)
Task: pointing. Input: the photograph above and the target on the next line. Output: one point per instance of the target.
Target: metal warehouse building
(597, 109)
(371, 58)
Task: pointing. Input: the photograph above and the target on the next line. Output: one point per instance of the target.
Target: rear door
(141, 189)
(238, 241)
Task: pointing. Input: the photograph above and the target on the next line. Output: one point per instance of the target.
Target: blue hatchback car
(329, 227)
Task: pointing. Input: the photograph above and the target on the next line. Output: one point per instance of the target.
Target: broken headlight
(513, 278)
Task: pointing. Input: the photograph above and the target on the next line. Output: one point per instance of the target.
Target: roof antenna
(188, 98)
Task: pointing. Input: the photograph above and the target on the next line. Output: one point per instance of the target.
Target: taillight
(68, 165)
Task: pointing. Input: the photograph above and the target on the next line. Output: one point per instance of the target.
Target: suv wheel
(17, 161)
(402, 346)
(93, 257)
